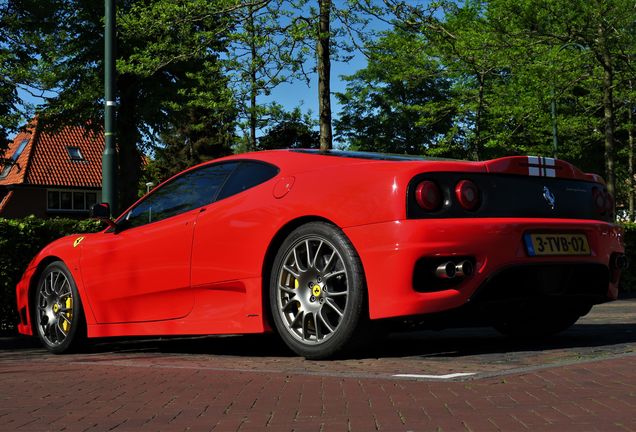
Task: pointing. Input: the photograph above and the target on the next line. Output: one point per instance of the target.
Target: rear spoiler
(537, 166)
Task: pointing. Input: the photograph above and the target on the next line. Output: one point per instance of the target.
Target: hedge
(22, 239)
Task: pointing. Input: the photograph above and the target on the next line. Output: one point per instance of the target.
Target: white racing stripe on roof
(541, 166)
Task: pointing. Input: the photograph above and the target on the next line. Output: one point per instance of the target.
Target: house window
(11, 161)
(70, 200)
(74, 153)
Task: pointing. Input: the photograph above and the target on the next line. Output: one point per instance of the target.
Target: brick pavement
(583, 380)
(80, 396)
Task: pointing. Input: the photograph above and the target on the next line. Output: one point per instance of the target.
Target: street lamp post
(109, 158)
(553, 104)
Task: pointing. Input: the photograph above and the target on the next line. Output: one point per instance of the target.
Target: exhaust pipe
(446, 270)
(620, 262)
(464, 268)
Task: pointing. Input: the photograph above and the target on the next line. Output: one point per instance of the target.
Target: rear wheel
(59, 317)
(317, 292)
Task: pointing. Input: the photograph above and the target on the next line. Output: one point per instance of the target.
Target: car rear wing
(537, 166)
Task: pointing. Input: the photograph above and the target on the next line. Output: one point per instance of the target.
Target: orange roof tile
(45, 160)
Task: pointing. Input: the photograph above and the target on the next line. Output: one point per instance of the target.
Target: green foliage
(9, 110)
(20, 241)
(261, 56)
(290, 130)
(400, 102)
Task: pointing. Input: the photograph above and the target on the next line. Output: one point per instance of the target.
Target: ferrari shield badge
(77, 241)
(549, 197)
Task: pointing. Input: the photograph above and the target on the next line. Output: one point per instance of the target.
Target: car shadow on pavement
(451, 343)
(481, 341)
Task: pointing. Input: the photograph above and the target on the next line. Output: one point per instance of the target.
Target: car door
(230, 238)
(141, 270)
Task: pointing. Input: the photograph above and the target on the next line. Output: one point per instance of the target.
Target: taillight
(467, 194)
(428, 195)
(603, 201)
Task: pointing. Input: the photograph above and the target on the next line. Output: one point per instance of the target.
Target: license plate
(557, 244)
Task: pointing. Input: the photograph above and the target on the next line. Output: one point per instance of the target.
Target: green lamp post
(109, 158)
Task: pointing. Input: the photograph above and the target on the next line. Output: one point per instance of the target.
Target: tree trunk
(630, 162)
(324, 75)
(128, 134)
(253, 83)
(475, 152)
(608, 108)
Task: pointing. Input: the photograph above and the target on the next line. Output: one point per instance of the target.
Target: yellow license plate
(557, 244)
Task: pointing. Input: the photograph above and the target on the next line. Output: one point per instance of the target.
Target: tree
(261, 56)
(10, 114)
(399, 103)
(167, 64)
(191, 141)
(291, 130)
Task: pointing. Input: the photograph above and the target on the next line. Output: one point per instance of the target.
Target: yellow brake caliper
(66, 325)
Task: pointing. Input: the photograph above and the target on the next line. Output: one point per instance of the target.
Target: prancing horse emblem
(549, 197)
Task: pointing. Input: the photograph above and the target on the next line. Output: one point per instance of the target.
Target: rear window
(247, 175)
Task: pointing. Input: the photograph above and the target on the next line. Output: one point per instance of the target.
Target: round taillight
(598, 197)
(467, 195)
(428, 195)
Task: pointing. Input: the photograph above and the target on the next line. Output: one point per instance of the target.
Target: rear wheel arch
(271, 252)
(343, 310)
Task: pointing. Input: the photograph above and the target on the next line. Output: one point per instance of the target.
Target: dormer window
(74, 153)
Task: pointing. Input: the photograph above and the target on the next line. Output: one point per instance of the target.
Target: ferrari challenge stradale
(320, 247)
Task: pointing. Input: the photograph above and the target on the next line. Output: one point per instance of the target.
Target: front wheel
(317, 292)
(59, 317)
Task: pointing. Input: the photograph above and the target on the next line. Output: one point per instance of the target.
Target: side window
(247, 175)
(187, 192)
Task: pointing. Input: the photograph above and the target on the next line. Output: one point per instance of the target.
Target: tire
(317, 292)
(537, 326)
(59, 317)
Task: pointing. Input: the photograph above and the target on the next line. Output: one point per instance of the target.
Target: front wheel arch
(33, 285)
(78, 332)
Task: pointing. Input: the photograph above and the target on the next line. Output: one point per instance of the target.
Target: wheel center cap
(56, 308)
(316, 290)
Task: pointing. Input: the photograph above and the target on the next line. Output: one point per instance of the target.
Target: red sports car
(320, 246)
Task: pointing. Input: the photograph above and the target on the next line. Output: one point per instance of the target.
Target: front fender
(66, 249)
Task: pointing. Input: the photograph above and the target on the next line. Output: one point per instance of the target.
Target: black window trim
(238, 163)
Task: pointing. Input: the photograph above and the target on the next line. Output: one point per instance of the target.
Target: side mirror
(101, 211)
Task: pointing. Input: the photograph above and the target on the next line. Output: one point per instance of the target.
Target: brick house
(51, 174)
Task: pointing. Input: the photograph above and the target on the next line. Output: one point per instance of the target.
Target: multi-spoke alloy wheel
(57, 308)
(317, 290)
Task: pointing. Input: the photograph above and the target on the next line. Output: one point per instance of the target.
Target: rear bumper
(390, 251)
